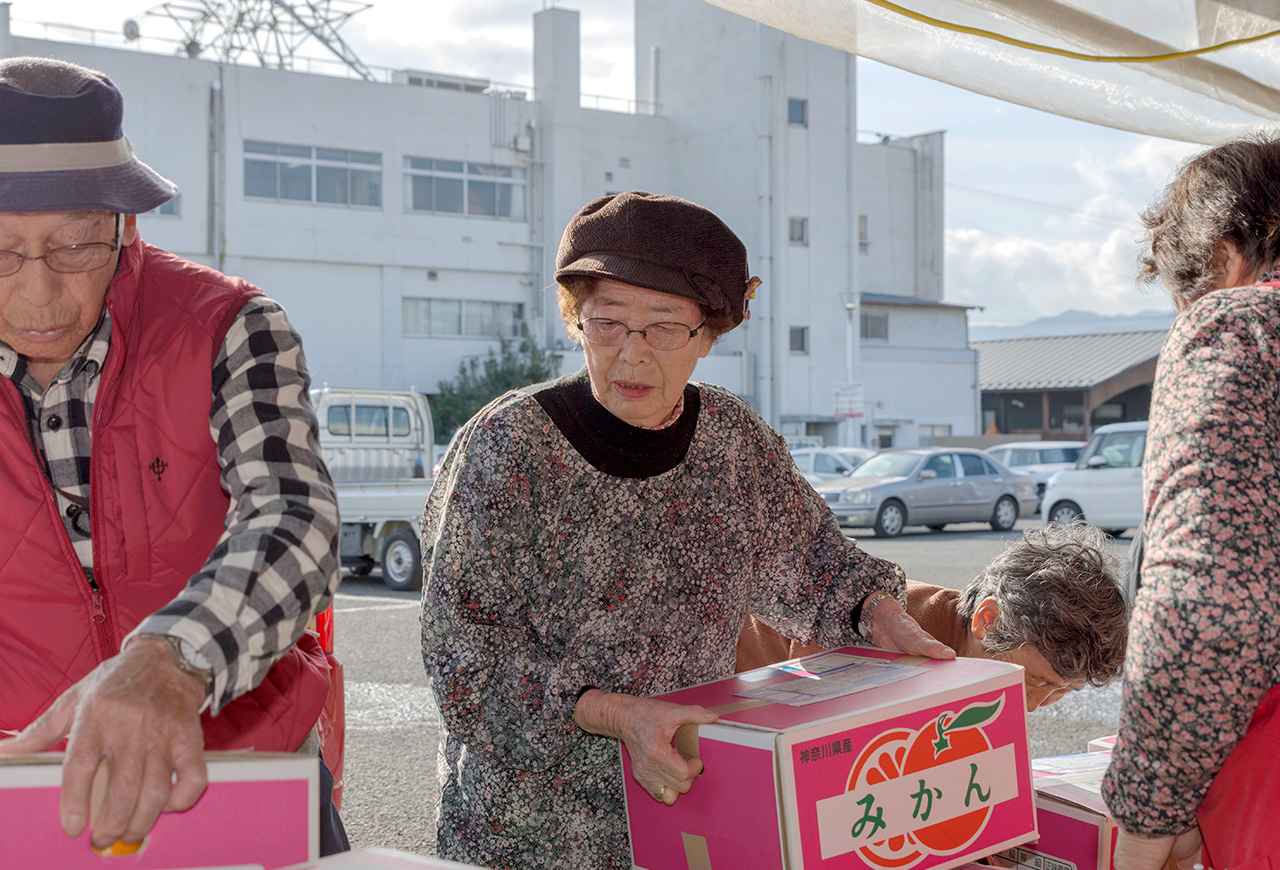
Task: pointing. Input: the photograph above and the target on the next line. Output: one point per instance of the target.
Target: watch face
(188, 658)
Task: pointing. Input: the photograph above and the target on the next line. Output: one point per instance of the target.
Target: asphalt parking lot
(392, 726)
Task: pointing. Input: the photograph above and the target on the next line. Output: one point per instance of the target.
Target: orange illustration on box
(902, 753)
(938, 784)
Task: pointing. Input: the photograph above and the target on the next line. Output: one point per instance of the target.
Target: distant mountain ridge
(1074, 322)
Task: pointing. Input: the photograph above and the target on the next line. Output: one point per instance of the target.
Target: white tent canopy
(1202, 98)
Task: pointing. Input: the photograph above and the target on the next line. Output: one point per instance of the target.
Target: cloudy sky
(1040, 210)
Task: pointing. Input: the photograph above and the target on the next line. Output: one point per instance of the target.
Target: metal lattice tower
(270, 31)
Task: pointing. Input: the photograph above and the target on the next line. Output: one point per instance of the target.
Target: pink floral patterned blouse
(1205, 636)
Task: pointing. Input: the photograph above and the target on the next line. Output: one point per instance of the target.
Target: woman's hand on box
(893, 628)
(647, 728)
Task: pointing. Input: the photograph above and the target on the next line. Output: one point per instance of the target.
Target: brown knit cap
(661, 243)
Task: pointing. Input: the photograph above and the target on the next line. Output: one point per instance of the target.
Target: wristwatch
(869, 606)
(188, 659)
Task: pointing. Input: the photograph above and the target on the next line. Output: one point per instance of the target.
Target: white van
(1105, 487)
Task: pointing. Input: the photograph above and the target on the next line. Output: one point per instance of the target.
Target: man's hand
(1134, 852)
(893, 628)
(647, 728)
(140, 714)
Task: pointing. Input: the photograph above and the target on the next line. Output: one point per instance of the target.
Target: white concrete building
(407, 223)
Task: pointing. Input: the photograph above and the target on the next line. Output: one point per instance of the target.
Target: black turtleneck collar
(609, 444)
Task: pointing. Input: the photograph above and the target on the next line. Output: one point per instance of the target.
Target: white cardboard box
(371, 858)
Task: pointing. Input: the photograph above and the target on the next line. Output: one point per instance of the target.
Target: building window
(462, 317)
(300, 173)
(172, 208)
(798, 112)
(928, 433)
(864, 242)
(798, 231)
(458, 187)
(1014, 412)
(875, 326)
(799, 339)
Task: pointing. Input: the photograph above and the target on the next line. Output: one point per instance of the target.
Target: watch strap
(869, 605)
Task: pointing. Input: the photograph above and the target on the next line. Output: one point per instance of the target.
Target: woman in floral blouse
(1205, 637)
(600, 538)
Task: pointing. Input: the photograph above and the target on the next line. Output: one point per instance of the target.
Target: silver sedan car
(930, 486)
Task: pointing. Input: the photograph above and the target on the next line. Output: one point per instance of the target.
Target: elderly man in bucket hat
(168, 527)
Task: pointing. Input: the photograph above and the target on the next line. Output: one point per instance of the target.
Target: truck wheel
(401, 562)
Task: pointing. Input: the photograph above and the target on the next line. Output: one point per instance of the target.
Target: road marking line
(375, 607)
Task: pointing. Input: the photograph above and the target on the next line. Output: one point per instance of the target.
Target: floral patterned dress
(1205, 637)
(546, 575)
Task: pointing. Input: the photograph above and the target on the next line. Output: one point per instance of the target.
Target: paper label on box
(824, 679)
(820, 664)
(1086, 762)
(1033, 860)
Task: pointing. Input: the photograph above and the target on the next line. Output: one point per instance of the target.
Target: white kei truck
(378, 446)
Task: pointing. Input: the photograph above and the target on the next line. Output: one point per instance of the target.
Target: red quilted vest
(157, 508)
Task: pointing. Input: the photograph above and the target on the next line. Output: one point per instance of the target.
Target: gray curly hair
(1058, 590)
(1227, 193)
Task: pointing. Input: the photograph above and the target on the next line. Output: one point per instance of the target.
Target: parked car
(1105, 487)
(1040, 459)
(929, 486)
(828, 463)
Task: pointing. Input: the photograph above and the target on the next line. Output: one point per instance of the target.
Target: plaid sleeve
(276, 563)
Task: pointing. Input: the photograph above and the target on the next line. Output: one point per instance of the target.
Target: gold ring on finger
(660, 792)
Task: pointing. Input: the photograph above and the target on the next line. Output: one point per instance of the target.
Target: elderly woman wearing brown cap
(600, 538)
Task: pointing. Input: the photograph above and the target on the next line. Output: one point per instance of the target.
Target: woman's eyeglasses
(659, 336)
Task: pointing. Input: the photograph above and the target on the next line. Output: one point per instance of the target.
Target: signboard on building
(848, 401)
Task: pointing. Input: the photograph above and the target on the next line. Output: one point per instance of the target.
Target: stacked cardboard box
(259, 810)
(1076, 830)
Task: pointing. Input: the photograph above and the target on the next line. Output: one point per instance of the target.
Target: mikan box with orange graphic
(259, 810)
(856, 758)
(1076, 830)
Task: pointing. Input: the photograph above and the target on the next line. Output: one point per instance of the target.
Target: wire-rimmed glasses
(659, 336)
(67, 259)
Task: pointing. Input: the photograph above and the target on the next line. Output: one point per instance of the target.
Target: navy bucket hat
(62, 143)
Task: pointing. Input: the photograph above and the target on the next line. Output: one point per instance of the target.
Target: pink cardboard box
(1102, 744)
(1076, 831)
(861, 780)
(260, 810)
